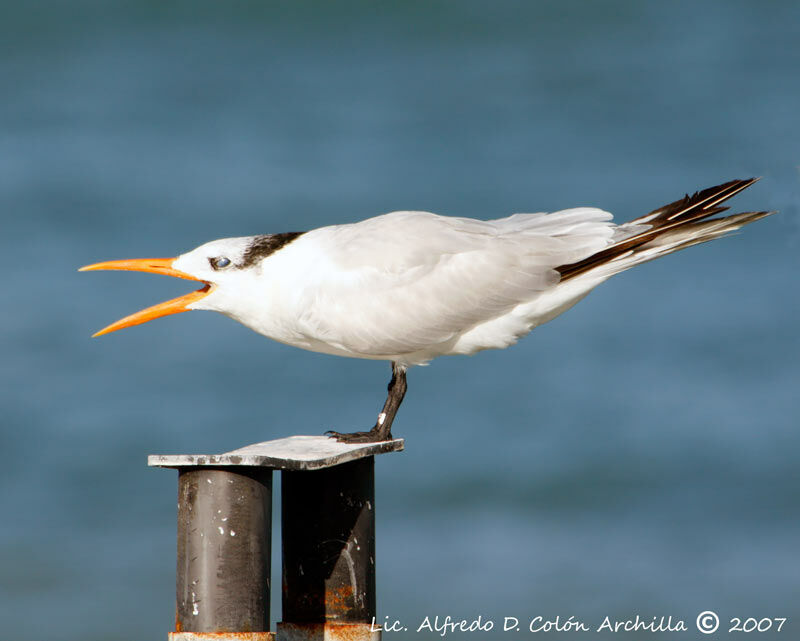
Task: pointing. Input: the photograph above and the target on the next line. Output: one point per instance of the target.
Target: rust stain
(339, 599)
(333, 604)
(221, 636)
(329, 631)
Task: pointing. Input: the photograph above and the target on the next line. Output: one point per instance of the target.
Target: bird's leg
(397, 391)
(382, 431)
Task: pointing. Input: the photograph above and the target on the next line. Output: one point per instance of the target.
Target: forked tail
(681, 224)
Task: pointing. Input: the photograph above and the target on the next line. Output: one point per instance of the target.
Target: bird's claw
(373, 436)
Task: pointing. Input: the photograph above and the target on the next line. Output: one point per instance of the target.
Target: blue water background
(639, 455)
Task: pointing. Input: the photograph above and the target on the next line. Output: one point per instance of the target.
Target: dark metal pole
(224, 545)
(328, 520)
(224, 537)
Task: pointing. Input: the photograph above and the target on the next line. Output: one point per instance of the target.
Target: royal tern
(409, 286)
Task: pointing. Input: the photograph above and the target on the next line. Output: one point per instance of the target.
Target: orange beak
(154, 266)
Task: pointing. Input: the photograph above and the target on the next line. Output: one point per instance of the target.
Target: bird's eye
(219, 262)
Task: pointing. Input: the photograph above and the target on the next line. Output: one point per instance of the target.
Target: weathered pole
(224, 549)
(224, 538)
(328, 529)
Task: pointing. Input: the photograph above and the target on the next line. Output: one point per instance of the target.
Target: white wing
(406, 281)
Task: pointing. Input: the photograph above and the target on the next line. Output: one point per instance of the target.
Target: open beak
(154, 266)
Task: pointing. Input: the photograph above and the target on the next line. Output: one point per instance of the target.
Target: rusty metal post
(328, 528)
(224, 535)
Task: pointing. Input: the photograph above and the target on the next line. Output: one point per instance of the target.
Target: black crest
(263, 246)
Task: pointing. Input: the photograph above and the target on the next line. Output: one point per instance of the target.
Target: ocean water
(637, 456)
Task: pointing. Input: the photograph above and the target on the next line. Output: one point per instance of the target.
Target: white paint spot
(381, 418)
(369, 505)
(225, 519)
(195, 605)
(208, 481)
(233, 533)
(221, 531)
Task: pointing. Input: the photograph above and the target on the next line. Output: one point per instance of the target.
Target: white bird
(409, 286)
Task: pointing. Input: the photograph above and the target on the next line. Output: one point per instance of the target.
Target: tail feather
(675, 226)
(701, 201)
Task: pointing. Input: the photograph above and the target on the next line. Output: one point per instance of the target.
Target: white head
(225, 266)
